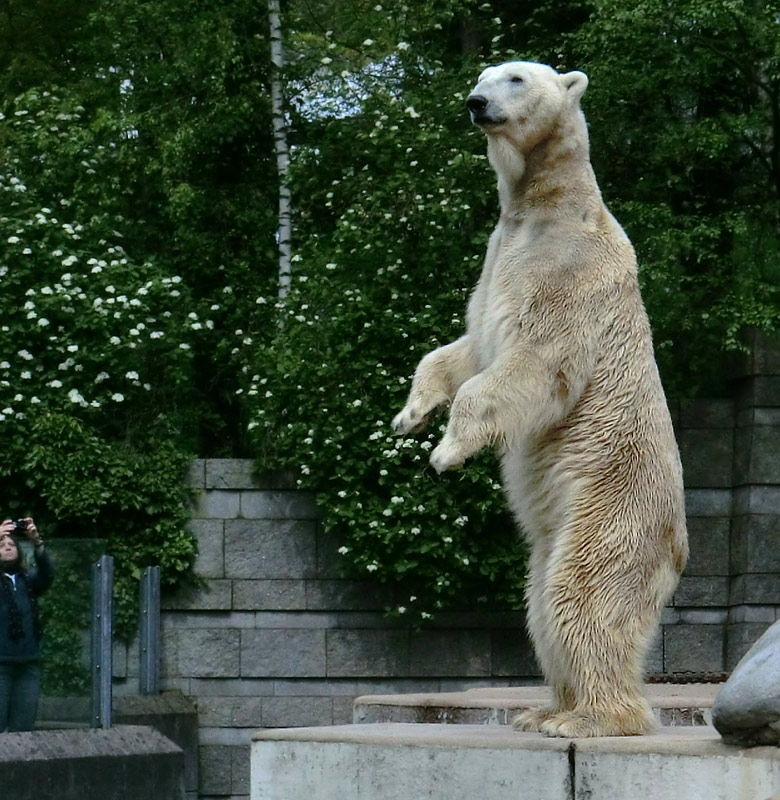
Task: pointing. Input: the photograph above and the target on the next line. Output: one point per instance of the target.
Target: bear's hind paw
(532, 718)
(577, 725)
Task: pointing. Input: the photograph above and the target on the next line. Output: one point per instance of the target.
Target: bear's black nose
(476, 103)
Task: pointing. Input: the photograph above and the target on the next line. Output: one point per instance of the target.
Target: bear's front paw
(407, 420)
(448, 455)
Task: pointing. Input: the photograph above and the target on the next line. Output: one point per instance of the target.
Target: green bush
(95, 372)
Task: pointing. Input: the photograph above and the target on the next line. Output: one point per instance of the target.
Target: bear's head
(519, 104)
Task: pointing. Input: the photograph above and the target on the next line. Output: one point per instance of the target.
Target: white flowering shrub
(395, 211)
(94, 354)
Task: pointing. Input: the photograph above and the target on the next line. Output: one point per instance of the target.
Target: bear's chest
(505, 289)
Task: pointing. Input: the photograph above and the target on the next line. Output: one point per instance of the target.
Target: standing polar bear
(556, 368)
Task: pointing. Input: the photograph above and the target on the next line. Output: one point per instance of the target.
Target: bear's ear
(575, 84)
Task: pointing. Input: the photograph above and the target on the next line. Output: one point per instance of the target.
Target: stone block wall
(275, 637)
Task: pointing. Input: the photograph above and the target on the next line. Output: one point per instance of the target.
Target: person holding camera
(20, 627)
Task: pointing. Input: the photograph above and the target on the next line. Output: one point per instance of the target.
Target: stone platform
(397, 761)
(673, 705)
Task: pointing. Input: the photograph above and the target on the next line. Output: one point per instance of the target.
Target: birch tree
(280, 145)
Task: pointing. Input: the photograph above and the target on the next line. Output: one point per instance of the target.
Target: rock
(747, 710)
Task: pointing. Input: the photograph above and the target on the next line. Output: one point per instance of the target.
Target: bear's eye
(516, 79)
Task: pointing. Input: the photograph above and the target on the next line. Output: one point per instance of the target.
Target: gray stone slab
(196, 474)
(760, 590)
(706, 457)
(702, 591)
(757, 500)
(741, 637)
(214, 769)
(231, 712)
(688, 762)
(450, 653)
(125, 762)
(707, 502)
(283, 653)
(259, 504)
(708, 539)
(216, 504)
(347, 595)
(213, 595)
(368, 653)
(295, 619)
(269, 595)
(208, 652)
(765, 614)
(270, 549)
(209, 534)
(693, 648)
(705, 413)
(283, 712)
(405, 762)
(765, 455)
(239, 771)
(755, 544)
(230, 473)
(512, 654)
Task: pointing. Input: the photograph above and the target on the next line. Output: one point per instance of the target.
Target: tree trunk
(283, 234)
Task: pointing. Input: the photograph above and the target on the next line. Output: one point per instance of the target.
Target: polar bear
(556, 369)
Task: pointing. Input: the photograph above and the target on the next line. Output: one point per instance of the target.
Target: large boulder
(747, 710)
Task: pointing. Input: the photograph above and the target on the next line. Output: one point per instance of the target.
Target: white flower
(132, 375)
(13, 240)
(55, 384)
(73, 348)
(343, 550)
(101, 377)
(26, 375)
(368, 42)
(117, 397)
(372, 567)
(342, 493)
(411, 112)
(357, 403)
(396, 499)
(75, 397)
(461, 521)
(156, 335)
(25, 355)
(4, 365)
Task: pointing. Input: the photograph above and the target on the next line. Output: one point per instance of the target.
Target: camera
(20, 526)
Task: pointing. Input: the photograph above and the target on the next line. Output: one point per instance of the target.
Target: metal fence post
(102, 652)
(149, 671)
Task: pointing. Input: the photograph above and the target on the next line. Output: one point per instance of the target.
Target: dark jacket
(27, 648)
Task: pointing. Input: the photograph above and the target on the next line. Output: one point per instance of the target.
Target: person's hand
(7, 527)
(32, 532)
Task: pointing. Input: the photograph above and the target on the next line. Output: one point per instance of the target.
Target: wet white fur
(556, 369)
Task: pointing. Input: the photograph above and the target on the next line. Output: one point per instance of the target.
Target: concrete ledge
(673, 704)
(128, 762)
(406, 762)
(397, 762)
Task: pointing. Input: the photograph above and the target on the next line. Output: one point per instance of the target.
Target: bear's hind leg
(540, 628)
(604, 615)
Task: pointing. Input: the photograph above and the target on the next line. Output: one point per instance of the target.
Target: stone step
(396, 761)
(673, 705)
